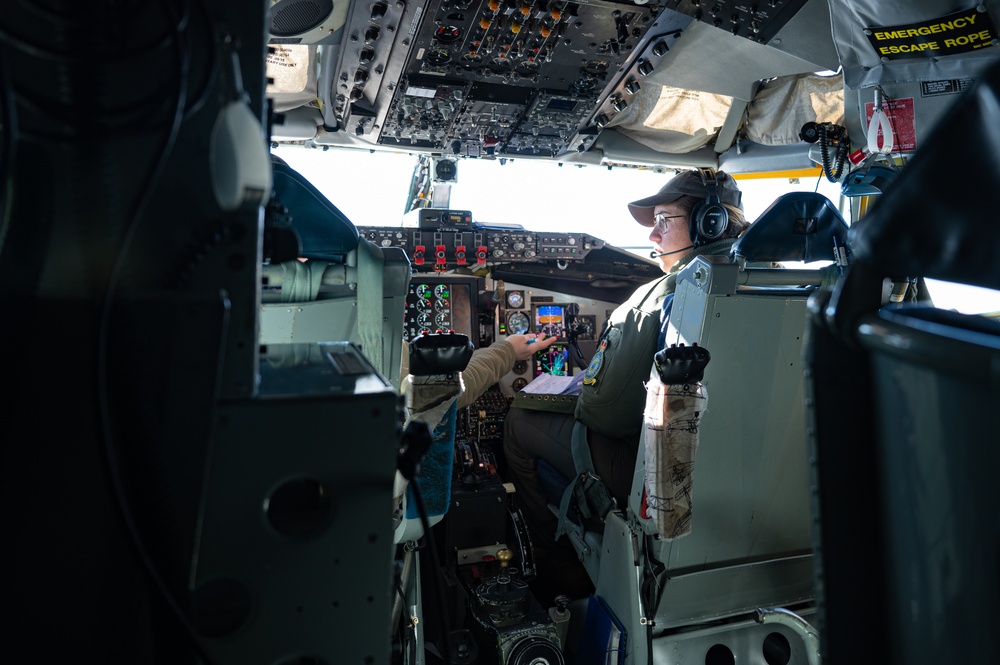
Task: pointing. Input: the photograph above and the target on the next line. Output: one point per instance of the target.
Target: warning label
(900, 114)
(960, 32)
(945, 87)
(287, 68)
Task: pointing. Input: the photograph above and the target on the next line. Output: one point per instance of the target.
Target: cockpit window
(964, 298)
(372, 188)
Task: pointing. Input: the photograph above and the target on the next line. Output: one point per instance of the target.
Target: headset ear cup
(713, 220)
(708, 221)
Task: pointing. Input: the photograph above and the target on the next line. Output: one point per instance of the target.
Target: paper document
(552, 384)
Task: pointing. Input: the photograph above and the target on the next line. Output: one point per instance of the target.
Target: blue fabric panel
(436, 469)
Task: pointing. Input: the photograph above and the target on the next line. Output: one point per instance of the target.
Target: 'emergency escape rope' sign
(959, 32)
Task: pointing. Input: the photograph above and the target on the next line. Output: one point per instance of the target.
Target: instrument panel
(442, 303)
(449, 248)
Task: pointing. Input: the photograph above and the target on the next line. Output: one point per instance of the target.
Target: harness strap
(587, 491)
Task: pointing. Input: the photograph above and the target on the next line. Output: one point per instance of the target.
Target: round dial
(441, 291)
(471, 60)
(518, 384)
(422, 290)
(441, 306)
(552, 329)
(442, 320)
(517, 323)
(422, 305)
(515, 299)
(424, 321)
(448, 34)
(520, 367)
(500, 65)
(528, 68)
(438, 56)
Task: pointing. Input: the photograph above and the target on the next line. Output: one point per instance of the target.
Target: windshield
(371, 188)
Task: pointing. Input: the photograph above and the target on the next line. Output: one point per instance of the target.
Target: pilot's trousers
(533, 435)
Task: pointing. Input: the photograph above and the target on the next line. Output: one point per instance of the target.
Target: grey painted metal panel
(751, 537)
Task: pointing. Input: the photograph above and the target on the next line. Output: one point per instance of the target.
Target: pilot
(612, 396)
(490, 363)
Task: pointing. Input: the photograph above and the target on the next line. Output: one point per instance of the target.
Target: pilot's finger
(544, 343)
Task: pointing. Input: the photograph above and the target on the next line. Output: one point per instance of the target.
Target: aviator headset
(708, 219)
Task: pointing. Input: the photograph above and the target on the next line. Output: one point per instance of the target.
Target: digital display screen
(560, 105)
(553, 360)
(551, 320)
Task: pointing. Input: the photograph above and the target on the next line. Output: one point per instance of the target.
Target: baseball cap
(686, 183)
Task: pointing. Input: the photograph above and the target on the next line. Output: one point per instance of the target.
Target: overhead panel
(493, 77)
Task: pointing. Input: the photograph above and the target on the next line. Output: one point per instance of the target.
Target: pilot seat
(738, 582)
(322, 280)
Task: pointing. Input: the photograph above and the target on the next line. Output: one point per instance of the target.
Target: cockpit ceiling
(658, 81)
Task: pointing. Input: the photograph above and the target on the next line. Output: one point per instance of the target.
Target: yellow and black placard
(959, 32)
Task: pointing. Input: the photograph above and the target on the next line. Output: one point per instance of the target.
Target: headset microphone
(656, 255)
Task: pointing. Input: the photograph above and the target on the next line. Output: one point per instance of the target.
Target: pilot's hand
(526, 346)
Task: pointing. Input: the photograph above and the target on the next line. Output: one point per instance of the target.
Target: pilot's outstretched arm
(488, 364)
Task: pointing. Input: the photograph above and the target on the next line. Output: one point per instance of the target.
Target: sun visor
(921, 40)
(673, 120)
(785, 104)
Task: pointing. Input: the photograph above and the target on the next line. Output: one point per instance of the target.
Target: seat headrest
(798, 226)
(324, 231)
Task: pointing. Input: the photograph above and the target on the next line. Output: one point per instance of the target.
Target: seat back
(797, 226)
(348, 289)
(750, 542)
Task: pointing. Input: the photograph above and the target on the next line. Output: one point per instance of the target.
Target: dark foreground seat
(904, 413)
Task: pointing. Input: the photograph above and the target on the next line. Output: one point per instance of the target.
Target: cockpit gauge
(422, 305)
(585, 326)
(471, 60)
(422, 290)
(528, 68)
(515, 299)
(448, 34)
(425, 321)
(518, 384)
(520, 367)
(500, 65)
(442, 320)
(517, 323)
(441, 306)
(441, 291)
(552, 329)
(438, 56)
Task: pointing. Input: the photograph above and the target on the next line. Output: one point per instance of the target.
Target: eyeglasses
(660, 221)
